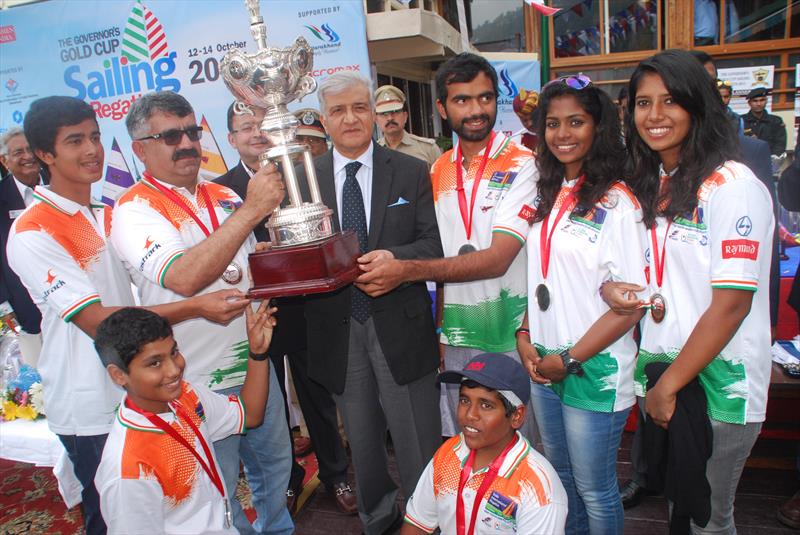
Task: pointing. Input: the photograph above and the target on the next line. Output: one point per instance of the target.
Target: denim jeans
(582, 447)
(85, 453)
(267, 456)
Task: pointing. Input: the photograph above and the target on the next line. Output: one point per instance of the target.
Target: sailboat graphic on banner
(143, 38)
(118, 175)
(212, 164)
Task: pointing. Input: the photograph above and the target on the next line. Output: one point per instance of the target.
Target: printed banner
(513, 75)
(745, 79)
(127, 48)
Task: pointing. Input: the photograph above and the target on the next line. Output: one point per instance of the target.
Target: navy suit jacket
(402, 318)
(756, 155)
(11, 289)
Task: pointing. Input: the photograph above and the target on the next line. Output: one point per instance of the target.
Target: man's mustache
(185, 153)
(390, 122)
(481, 117)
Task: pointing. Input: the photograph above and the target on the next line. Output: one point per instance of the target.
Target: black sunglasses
(174, 136)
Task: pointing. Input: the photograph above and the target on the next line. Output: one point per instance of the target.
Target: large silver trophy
(271, 78)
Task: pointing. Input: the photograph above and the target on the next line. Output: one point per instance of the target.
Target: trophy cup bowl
(307, 256)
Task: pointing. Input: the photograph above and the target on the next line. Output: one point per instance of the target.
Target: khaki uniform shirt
(423, 148)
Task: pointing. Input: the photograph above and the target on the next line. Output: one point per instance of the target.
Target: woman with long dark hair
(586, 230)
(709, 233)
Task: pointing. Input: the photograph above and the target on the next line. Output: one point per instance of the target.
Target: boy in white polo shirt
(489, 464)
(59, 248)
(159, 473)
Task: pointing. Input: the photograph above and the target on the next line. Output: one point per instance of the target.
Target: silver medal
(232, 274)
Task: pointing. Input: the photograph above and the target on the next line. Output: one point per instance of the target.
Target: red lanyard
(174, 197)
(659, 257)
(546, 239)
(491, 475)
(466, 217)
(156, 420)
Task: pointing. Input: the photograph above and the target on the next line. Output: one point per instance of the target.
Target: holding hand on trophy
(308, 255)
(265, 191)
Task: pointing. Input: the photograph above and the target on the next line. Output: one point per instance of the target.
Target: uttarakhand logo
(507, 86)
(324, 33)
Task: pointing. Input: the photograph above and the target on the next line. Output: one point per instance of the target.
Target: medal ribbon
(156, 420)
(466, 217)
(659, 257)
(174, 197)
(491, 475)
(546, 239)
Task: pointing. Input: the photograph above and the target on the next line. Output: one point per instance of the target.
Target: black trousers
(319, 411)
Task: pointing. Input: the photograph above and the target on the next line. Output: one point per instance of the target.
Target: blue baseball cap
(495, 371)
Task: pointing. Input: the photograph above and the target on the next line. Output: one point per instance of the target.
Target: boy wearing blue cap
(488, 479)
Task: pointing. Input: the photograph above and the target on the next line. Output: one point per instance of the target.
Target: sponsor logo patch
(502, 179)
(527, 213)
(747, 249)
(501, 507)
(744, 226)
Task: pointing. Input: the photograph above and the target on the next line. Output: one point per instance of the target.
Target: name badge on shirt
(13, 214)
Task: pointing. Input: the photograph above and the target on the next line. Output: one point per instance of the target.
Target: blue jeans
(267, 456)
(85, 453)
(582, 447)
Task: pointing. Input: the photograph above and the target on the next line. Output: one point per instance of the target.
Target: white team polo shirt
(61, 253)
(150, 232)
(526, 498)
(149, 483)
(604, 244)
(725, 243)
(484, 314)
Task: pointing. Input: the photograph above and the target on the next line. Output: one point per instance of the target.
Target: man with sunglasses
(484, 191)
(179, 236)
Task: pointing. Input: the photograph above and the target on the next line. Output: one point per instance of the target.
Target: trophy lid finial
(257, 27)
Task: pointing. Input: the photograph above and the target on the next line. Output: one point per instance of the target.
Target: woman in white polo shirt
(709, 232)
(586, 230)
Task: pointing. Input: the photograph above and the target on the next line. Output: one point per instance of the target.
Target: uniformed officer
(391, 117)
(311, 132)
(758, 123)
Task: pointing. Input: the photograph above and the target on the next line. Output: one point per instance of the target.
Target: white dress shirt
(25, 191)
(363, 176)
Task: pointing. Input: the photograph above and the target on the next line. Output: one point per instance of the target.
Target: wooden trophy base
(317, 267)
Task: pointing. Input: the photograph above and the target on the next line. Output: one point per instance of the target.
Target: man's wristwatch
(570, 364)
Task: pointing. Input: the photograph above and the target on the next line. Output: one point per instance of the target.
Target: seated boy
(489, 464)
(158, 473)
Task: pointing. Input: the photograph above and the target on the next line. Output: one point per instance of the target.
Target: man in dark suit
(289, 338)
(755, 155)
(16, 193)
(789, 196)
(378, 356)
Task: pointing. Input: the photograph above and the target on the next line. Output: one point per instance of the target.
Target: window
(744, 20)
(594, 27)
(418, 103)
(496, 25)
